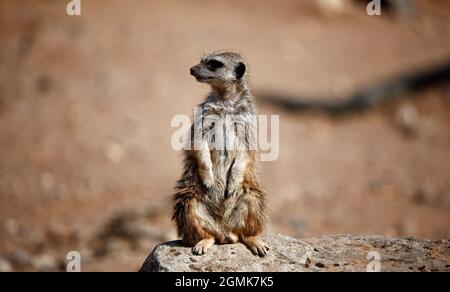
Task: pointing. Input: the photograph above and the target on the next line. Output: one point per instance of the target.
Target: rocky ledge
(329, 253)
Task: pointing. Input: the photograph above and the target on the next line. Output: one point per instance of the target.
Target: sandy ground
(86, 104)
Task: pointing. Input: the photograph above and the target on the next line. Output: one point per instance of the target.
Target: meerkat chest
(227, 131)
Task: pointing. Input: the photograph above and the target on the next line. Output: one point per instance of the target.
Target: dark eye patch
(214, 64)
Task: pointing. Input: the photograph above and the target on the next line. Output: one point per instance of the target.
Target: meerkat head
(220, 69)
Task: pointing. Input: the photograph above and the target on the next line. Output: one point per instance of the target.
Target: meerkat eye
(214, 64)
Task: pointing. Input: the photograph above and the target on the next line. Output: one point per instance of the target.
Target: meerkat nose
(192, 71)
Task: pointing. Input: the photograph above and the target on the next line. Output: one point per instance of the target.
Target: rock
(329, 253)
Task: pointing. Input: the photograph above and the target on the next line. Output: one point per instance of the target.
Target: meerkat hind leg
(203, 245)
(256, 246)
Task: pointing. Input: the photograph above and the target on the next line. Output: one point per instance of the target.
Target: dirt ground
(86, 104)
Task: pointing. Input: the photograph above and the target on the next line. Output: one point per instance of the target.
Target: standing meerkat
(219, 198)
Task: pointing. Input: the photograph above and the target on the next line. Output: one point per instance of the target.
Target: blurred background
(86, 103)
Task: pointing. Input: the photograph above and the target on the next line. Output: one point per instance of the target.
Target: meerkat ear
(240, 70)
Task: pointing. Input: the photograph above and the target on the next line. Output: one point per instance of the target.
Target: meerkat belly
(222, 161)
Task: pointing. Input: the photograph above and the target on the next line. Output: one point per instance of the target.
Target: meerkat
(218, 198)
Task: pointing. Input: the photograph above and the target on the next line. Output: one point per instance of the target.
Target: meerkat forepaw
(202, 246)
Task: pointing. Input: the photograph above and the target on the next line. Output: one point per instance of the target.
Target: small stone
(12, 226)
(44, 84)
(407, 119)
(44, 263)
(5, 266)
(333, 6)
(143, 230)
(21, 259)
(47, 181)
(115, 152)
(419, 197)
(112, 246)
